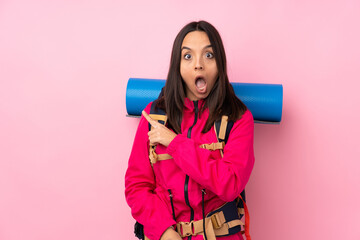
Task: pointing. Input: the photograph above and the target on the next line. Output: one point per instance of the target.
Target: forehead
(196, 39)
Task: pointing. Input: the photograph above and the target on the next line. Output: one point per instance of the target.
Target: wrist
(167, 232)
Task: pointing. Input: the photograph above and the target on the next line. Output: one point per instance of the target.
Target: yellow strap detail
(213, 146)
(194, 228)
(218, 219)
(159, 117)
(241, 211)
(164, 157)
(154, 157)
(222, 131)
(224, 229)
(215, 225)
(234, 223)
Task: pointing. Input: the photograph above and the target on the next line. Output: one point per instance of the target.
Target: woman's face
(198, 66)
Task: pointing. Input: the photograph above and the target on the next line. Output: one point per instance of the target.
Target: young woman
(174, 198)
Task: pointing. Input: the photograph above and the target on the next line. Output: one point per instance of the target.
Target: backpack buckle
(185, 229)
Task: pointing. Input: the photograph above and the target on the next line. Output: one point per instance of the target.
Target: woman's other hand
(159, 134)
(170, 234)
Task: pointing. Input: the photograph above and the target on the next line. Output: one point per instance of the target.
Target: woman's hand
(170, 234)
(159, 133)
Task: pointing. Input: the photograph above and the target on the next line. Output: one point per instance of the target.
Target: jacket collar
(190, 105)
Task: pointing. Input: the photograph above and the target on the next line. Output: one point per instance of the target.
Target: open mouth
(200, 83)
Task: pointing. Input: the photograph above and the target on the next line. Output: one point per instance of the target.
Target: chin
(202, 97)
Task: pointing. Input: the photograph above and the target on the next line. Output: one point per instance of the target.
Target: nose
(198, 64)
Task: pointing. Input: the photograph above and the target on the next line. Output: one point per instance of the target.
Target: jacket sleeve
(146, 206)
(226, 176)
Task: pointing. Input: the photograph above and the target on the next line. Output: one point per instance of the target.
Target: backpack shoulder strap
(160, 116)
(157, 114)
(222, 130)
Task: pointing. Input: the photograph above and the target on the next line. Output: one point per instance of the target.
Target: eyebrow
(184, 47)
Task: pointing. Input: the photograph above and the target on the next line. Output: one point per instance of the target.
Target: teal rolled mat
(263, 100)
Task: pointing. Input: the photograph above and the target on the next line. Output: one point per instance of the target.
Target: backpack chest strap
(154, 157)
(213, 146)
(221, 131)
(223, 222)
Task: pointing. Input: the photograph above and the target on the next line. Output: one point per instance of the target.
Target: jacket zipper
(186, 187)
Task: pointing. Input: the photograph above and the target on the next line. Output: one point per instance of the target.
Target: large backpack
(222, 129)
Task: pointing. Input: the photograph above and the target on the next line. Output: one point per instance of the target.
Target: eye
(209, 55)
(187, 56)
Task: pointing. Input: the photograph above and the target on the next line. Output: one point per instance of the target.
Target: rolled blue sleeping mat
(263, 100)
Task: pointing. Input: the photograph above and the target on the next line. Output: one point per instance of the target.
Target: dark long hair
(221, 99)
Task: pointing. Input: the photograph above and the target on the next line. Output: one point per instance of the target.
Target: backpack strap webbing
(160, 116)
(222, 130)
(157, 114)
(213, 146)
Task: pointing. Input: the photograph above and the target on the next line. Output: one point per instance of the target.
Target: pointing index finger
(149, 119)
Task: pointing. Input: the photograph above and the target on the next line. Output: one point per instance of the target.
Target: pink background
(65, 138)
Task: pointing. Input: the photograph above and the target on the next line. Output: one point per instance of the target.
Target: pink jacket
(223, 178)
